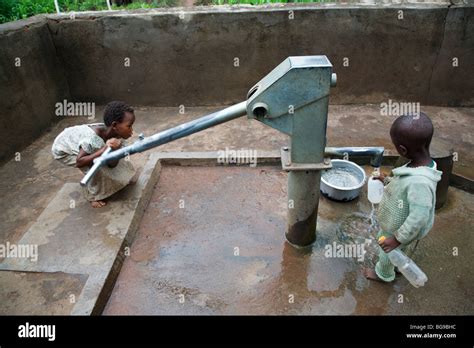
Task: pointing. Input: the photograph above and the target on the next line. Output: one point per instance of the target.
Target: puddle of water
(361, 228)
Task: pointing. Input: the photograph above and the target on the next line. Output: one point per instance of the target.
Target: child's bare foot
(98, 204)
(369, 273)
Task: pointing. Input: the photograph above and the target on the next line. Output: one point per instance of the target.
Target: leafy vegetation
(11, 10)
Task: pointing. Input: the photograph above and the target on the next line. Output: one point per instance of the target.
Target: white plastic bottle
(374, 189)
(406, 266)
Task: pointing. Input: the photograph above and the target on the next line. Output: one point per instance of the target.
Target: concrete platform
(79, 247)
(184, 260)
(35, 188)
(39, 293)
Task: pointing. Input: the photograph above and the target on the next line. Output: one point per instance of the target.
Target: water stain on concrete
(35, 293)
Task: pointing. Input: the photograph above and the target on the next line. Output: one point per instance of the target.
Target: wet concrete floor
(212, 242)
(32, 181)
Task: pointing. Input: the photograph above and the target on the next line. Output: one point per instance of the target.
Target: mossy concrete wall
(32, 80)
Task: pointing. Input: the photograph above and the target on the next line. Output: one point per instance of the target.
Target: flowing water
(374, 224)
(361, 228)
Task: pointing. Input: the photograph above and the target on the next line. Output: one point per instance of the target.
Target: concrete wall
(188, 56)
(454, 86)
(190, 59)
(28, 92)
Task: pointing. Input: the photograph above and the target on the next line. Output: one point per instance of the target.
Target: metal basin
(343, 181)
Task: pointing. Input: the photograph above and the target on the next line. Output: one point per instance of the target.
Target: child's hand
(381, 177)
(388, 244)
(114, 143)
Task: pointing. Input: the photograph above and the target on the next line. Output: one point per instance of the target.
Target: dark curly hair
(115, 111)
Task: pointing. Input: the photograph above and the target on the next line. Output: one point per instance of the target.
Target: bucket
(343, 181)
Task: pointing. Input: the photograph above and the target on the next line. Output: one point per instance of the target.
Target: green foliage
(19, 9)
(86, 5)
(11, 10)
(6, 10)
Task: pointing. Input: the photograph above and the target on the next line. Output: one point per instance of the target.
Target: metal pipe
(375, 153)
(303, 201)
(185, 129)
(308, 141)
(95, 167)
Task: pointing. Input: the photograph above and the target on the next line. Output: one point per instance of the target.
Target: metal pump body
(293, 98)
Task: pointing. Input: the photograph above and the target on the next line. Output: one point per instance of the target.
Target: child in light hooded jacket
(406, 212)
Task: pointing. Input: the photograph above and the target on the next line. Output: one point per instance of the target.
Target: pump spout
(375, 153)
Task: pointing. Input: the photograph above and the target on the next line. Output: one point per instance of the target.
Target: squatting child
(78, 146)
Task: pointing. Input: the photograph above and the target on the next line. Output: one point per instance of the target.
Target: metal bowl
(343, 181)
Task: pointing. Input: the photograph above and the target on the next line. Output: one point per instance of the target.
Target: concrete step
(80, 251)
